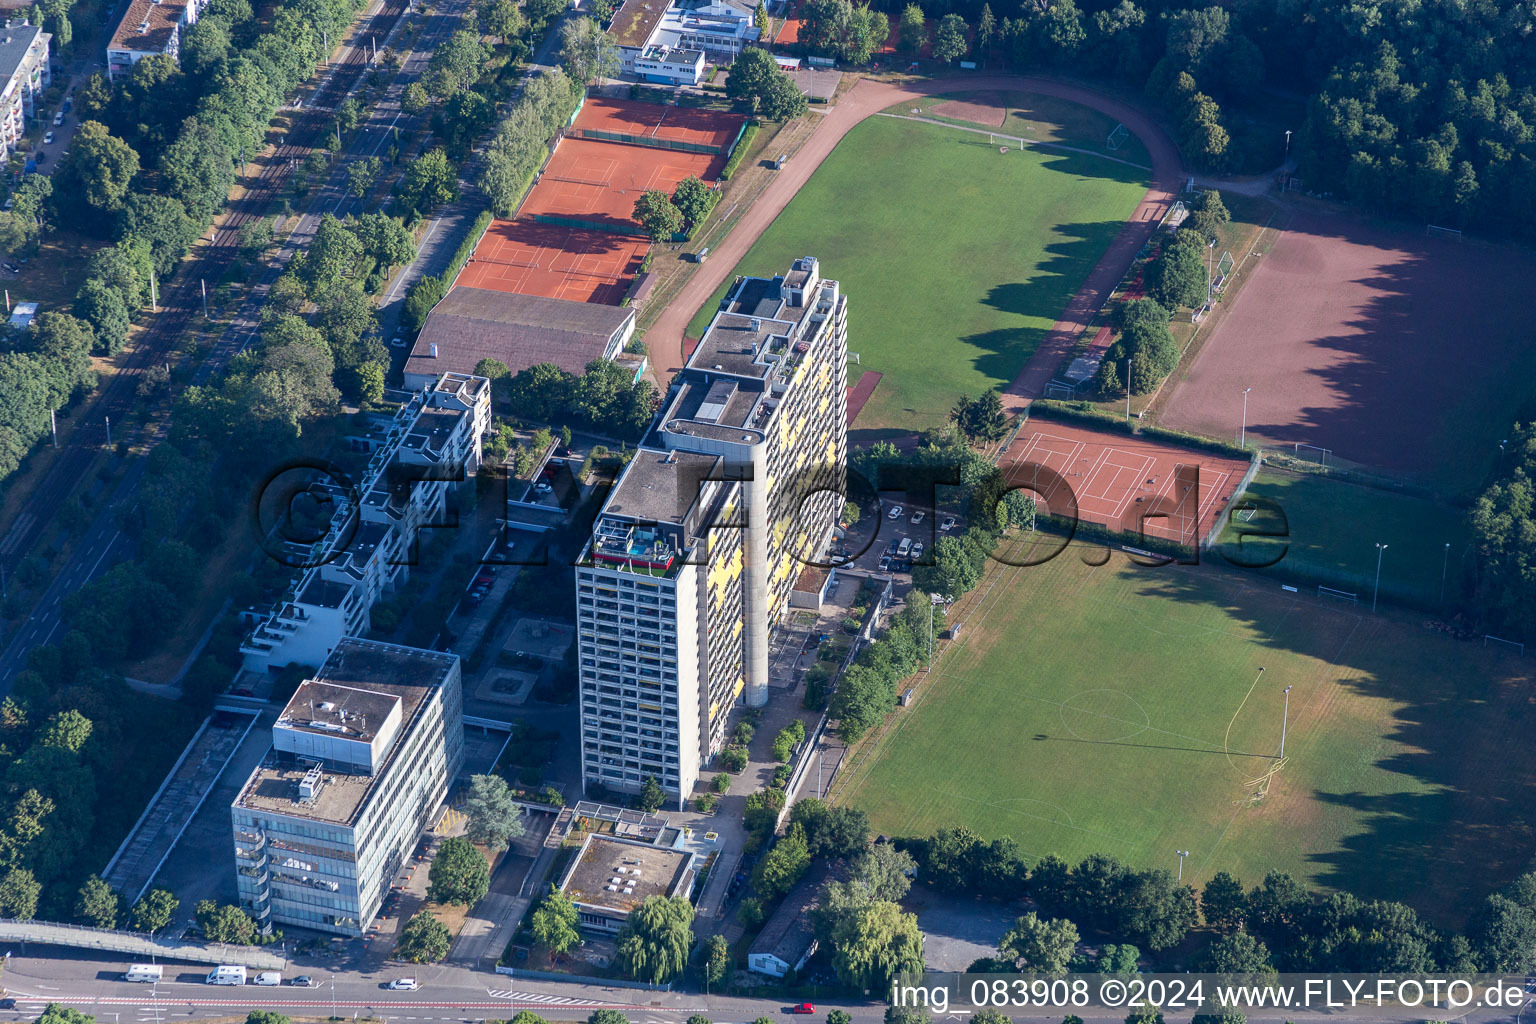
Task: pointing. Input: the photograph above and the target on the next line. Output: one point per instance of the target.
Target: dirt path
(870, 96)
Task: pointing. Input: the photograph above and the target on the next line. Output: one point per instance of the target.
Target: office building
(610, 877)
(362, 758)
(430, 444)
(688, 31)
(695, 554)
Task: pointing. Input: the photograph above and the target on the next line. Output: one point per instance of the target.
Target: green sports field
(1332, 528)
(956, 258)
(1121, 710)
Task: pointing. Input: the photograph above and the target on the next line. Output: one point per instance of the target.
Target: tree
(949, 43)
(839, 1017)
(429, 182)
(331, 255)
(1237, 953)
(494, 817)
(1209, 214)
(912, 32)
(503, 19)
(101, 306)
(1177, 277)
(55, 1013)
(1019, 509)
(717, 959)
(96, 904)
(455, 65)
(96, 174)
(756, 80)
(225, 923)
(426, 292)
(986, 30)
(587, 52)
(652, 796)
(1223, 902)
(982, 419)
(459, 873)
(19, 891)
(605, 1017)
(782, 100)
(832, 832)
(362, 174)
(783, 865)
(1040, 944)
(655, 212)
(154, 911)
(837, 28)
(1117, 959)
(955, 570)
(555, 921)
(875, 942)
(653, 945)
(694, 200)
(884, 871)
(423, 940)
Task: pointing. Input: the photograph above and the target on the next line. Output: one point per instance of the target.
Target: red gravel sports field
(1396, 351)
(597, 183)
(1122, 481)
(658, 122)
(528, 258)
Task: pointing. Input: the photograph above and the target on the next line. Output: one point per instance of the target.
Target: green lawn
(1332, 529)
(1116, 709)
(956, 259)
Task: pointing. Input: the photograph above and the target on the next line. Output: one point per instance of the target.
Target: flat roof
(660, 486)
(471, 324)
(618, 874)
(390, 672)
(635, 21)
(17, 40)
(326, 709)
(162, 20)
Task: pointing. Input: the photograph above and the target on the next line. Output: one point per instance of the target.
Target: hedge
(466, 248)
(747, 135)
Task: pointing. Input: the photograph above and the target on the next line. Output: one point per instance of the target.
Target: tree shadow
(1443, 816)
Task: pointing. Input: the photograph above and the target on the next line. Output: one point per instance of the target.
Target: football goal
(1117, 136)
(1436, 231)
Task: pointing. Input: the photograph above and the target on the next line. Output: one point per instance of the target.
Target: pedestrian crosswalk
(535, 997)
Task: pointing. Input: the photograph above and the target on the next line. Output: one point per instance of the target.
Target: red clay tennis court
(595, 184)
(559, 262)
(1118, 479)
(655, 124)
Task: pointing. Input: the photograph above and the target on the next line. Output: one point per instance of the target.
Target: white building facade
(362, 758)
(26, 73)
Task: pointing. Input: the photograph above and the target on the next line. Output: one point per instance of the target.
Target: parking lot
(878, 546)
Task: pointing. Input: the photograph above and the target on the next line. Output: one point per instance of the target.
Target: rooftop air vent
(326, 705)
(433, 350)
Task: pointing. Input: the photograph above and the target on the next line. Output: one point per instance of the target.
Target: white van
(146, 973)
(227, 975)
(268, 978)
(904, 548)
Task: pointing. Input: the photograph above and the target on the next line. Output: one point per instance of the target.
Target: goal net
(1117, 136)
(1223, 274)
(1005, 142)
(1436, 231)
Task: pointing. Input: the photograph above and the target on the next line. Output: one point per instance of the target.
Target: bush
(734, 759)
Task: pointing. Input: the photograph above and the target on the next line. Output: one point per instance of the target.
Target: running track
(870, 96)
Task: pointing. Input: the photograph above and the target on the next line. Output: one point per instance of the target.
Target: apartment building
(150, 27)
(362, 757)
(433, 441)
(658, 623)
(25, 72)
(695, 554)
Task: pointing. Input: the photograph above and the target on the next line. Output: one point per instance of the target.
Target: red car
(802, 1008)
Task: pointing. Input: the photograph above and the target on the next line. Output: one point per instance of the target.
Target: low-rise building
(610, 877)
(432, 443)
(148, 28)
(788, 939)
(25, 72)
(519, 331)
(22, 315)
(719, 29)
(670, 66)
(361, 759)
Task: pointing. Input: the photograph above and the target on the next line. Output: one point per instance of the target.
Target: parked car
(948, 523)
(58, 119)
(917, 551)
(917, 516)
(895, 512)
(404, 985)
(397, 342)
(542, 488)
(885, 563)
(47, 138)
(800, 1008)
(303, 981)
